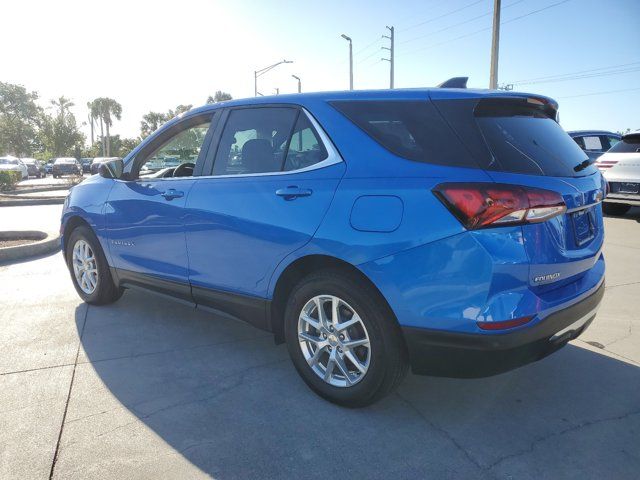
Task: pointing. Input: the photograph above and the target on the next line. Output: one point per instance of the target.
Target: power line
(457, 24)
(442, 16)
(487, 28)
(602, 93)
(377, 40)
(559, 75)
(579, 77)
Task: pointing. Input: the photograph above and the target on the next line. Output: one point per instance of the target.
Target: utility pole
(262, 71)
(391, 49)
(495, 45)
(299, 83)
(348, 39)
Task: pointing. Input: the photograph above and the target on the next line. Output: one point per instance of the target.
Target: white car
(621, 168)
(14, 164)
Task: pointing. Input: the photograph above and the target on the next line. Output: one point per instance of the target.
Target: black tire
(616, 209)
(106, 291)
(388, 361)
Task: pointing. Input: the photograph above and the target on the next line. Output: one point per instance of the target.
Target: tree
(20, 119)
(154, 120)
(106, 110)
(59, 133)
(219, 96)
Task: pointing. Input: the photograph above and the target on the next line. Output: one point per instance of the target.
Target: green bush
(8, 180)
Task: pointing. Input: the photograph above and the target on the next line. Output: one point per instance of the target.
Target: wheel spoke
(309, 338)
(356, 363)
(313, 361)
(322, 317)
(349, 344)
(331, 365)
(335, 311)
(343, 326)
(311, 321)
(343, 368)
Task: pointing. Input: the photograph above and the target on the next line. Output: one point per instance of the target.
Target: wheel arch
(71, 224)
(297, 270)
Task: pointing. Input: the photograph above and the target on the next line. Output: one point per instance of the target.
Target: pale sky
(154, 55)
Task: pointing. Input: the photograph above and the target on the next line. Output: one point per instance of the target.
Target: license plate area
(583, 226)
(626, 187)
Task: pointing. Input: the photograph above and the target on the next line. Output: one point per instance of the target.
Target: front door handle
(292, 192)
(172, 193)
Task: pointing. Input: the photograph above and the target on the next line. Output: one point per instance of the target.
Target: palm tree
(92, 118)
(106, 110)
(63, 105)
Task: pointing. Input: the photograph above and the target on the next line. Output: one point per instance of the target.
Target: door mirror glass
(111, 169)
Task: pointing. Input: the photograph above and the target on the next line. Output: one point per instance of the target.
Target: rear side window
(524, 139)
(410, 129)
(628, 144)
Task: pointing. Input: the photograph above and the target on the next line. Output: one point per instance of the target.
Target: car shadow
(228, 400)
(632, 214)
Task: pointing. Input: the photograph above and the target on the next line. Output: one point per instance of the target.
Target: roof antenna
(455, 82)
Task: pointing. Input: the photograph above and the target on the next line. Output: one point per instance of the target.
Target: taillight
(483, 205)
(504, 324)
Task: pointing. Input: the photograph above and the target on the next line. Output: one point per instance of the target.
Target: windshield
(524, 139)
(8, 161)
(628, 144)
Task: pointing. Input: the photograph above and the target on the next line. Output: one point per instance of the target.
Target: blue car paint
(433, 273)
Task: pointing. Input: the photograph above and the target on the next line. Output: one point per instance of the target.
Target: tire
(616, 209)
(104, 289)
(385, 350)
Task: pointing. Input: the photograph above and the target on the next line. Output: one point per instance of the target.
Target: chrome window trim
(333, 157)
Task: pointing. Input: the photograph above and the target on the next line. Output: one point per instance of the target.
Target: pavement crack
(27, 370)
(571, 429)
(444, 432)
(624, 337)
(66, 405)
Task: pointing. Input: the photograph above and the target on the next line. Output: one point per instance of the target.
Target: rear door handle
(172, 193)
(292, 192)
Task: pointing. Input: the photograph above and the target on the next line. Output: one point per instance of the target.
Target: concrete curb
(32, 201)
(50, 243)
(26, 190)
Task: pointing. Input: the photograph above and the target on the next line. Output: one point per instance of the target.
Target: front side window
(612, 141)
(254, 141)
(177, 155)
(628, 144)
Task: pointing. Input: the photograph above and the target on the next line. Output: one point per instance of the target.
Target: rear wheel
(89, 268)
(343, 339)
(617, 209)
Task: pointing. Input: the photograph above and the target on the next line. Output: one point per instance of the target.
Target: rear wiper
(583, 165)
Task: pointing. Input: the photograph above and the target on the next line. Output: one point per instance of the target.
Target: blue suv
(455, 231)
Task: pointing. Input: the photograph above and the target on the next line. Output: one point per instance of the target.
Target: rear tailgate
(517, 141)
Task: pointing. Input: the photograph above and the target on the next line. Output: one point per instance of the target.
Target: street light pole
(262, 71)
(299, 83)
(495, 46)
(348, 39)
(391, 49)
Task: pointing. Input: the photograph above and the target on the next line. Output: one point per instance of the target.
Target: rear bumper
(465, 355)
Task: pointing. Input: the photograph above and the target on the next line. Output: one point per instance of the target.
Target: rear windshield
(628, 144)
(524, 139)
(410, 129)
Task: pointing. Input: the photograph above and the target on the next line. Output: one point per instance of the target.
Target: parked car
(95, 164)
(594, 142)
(14, 164)
(34, 167)
(48, 167)
(621, 169)
(86, 164)
(458, 232)
(66, 166)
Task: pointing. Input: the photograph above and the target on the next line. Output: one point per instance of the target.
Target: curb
(49, 244)
(32, 201)
(26, 190)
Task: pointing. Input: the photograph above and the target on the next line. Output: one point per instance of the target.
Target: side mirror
(111, 169)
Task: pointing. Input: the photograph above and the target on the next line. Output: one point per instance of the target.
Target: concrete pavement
(148, 388)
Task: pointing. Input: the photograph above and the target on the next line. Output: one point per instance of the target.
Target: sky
(154, 55)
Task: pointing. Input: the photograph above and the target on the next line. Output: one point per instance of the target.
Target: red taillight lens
(517, 322)
(483, 205)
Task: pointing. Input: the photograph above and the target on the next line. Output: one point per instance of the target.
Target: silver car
(621, 168)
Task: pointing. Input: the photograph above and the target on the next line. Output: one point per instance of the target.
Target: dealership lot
(147, 388)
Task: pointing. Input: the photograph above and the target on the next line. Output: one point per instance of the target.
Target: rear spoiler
(455, 82)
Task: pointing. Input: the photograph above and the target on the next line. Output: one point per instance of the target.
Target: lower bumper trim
(462, 355)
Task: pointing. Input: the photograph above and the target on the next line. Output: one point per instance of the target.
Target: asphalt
(148, 388)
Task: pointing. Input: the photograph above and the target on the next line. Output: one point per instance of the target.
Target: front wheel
(343, 339)
(617, 209)
(89, 268)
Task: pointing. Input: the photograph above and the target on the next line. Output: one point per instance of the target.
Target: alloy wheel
(85, 267)
(334, 341)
